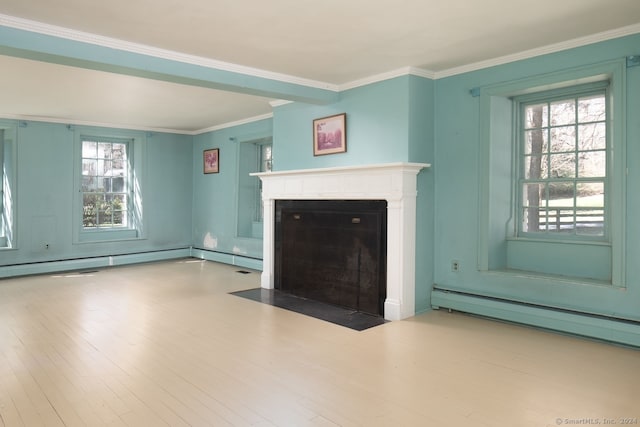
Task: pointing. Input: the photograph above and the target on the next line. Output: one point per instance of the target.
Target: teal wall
(45, 191)
(377, 128)
(215, 195)
(458, 197)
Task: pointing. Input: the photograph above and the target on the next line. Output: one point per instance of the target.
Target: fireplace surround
(394, 182)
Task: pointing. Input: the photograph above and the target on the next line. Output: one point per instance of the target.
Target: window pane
(89, 210)
(563, 139)
(119, 207)
(104, 150)
(590, 195)
(590, 222)
(89, 149)
(536, 141)
(592, 164)
(592, 109)
(563, 112)
(89, 167)
(106, 185)
(534, 195)
(563, 165)
(561, 194)
(531, 219)
(535, 167)
(592, 136)
(103, 217)
(536, 116)
(89, 184)
(119, 151)
(101, 168)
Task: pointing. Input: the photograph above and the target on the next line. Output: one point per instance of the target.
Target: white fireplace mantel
(394, 182)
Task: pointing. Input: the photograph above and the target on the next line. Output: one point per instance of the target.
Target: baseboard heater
(75, 264)
(227, 258)
(622, 331)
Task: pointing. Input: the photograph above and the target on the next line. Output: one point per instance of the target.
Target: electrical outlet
(455, 266)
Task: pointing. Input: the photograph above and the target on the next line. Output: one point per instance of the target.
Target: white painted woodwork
(394, 182)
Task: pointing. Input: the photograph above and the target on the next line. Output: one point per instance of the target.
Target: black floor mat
(330, 313)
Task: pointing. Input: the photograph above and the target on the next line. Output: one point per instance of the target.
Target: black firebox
(333, 251)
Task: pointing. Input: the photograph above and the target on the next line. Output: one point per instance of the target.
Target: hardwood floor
(165, 344)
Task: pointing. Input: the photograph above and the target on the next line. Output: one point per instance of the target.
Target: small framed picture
(211, 160)
(330, 135)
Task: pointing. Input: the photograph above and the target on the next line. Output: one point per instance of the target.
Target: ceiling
(331, 43)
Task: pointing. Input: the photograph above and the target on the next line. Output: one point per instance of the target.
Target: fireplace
(394, 183)
(332, 251)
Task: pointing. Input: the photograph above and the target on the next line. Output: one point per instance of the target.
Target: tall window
(253, 156)
(563, 178)
(105, 183)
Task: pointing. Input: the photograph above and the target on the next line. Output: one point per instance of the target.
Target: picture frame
(211, 160)
(330, 135)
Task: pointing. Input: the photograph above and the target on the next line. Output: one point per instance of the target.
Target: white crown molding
(232, 124)
(27, 118)
(279, 103)
(387, 76)
(83, 37)
(531, 53)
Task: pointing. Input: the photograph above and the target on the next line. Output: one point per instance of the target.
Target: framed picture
(330, 135)
(211, 160)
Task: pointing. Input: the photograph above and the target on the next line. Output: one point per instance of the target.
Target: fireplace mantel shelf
(341, 169)
(394, 182)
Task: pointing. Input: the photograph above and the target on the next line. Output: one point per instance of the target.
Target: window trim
(136, 165)
(496, 219)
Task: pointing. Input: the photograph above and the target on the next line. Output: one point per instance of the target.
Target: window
(253, 156)
(552, 194)
(105, 183)
(109, 177)
(7, 185)
(563, 169)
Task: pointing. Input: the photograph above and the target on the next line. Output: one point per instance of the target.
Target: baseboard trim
(227, 258)
(608, 329)
(45, 267)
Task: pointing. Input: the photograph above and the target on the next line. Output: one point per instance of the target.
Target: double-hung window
(563, 185)
(106, 183)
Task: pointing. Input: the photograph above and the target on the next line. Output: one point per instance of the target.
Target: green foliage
(102, 210)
